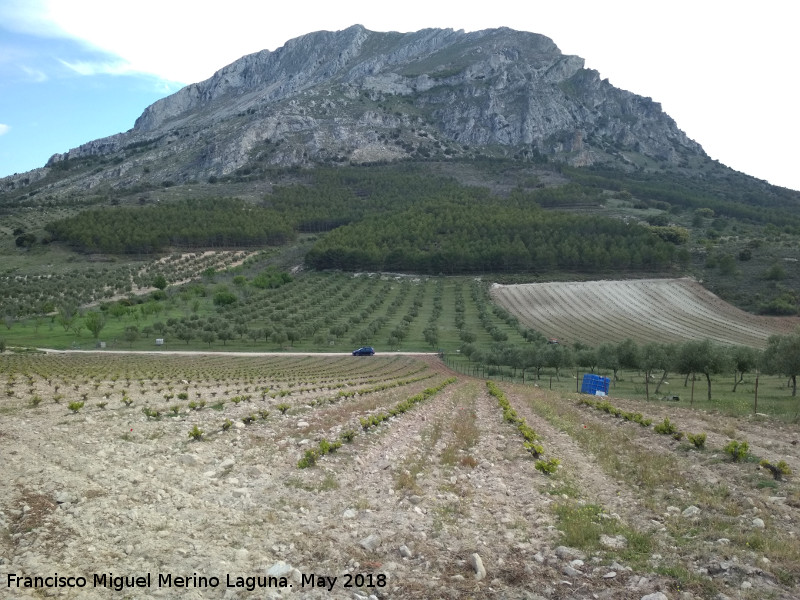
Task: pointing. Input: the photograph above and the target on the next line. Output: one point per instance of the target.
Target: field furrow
(669, 310)
(398, 510)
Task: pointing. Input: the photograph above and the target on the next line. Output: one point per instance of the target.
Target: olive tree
(744, 359)
(782, 356)
(702, 357)
(653, 357)
(94, 322)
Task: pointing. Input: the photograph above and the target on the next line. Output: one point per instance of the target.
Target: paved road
(220, 353)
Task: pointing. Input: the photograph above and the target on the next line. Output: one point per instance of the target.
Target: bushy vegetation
(485, 235)
(737, 450)
(198, 223)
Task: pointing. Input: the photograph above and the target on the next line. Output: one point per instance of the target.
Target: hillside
(644, 310)
(435, 152)
(362, 96)
(200, 281)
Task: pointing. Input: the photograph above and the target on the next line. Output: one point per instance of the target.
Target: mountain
(362, 96)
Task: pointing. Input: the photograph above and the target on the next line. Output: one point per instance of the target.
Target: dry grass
(35, 508)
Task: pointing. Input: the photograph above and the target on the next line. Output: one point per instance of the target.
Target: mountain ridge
(361, 96)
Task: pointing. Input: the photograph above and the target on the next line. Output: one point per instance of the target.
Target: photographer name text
(170, 580)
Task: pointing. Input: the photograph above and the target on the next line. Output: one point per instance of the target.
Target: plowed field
(645, 310)
(113, 498)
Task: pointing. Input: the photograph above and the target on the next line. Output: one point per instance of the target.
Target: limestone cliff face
(358, 95)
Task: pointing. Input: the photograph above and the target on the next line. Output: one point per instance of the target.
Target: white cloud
(28, 16)
(97, 68)
(34, 75)
(4, 129)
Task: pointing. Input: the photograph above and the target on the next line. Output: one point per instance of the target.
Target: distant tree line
(655, 361)
(464, 237)
(220, 222)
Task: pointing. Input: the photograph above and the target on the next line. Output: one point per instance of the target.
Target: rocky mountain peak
(358, 96)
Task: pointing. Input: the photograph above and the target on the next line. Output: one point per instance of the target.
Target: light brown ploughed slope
(660, 310)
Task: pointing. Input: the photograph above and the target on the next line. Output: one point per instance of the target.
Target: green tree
(223, 296)
(431, 335)
(782, 356)
(293, 335)
(186, 334)
(587, 358)
(66, 315)
(94, 322)
(744, 359)
(279, 337)
(160, 282)
(776, 272)
(608, 358)
(225, 334)
(131, 334)
(653, 357)
(727, 264)
(558, 357)
(118, 310)
(702, 357)
(628, 354)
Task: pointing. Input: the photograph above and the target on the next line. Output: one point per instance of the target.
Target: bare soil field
(119, 500)
(645, 310)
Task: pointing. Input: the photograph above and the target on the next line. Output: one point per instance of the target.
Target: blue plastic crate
(595, 383)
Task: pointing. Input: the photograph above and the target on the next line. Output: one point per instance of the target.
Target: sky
(72, 71)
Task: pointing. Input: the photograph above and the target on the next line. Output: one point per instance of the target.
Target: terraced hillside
(188, 469)
(645, 310)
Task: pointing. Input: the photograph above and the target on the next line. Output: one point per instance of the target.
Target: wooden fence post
(755, 400)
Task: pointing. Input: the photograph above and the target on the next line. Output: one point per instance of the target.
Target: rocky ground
(442, 501)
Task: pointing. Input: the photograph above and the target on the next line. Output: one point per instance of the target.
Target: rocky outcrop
(358, 95)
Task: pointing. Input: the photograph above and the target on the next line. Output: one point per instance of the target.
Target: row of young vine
(531, 443)
(325, 446)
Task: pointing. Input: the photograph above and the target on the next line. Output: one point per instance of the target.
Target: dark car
(365, 351)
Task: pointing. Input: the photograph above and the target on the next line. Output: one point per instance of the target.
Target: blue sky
(76, 70)
(47, 107)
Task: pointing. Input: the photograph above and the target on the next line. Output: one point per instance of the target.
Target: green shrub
(227, 424)
(548, 467)
(196, 433)
(347, 435)
(309, 459)
(324, 447)
(665, 427)
(283, 407)
(75, 406)
(778, 471)
(150, 413)
(698, 439)
(737, 450)
(535, 449)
